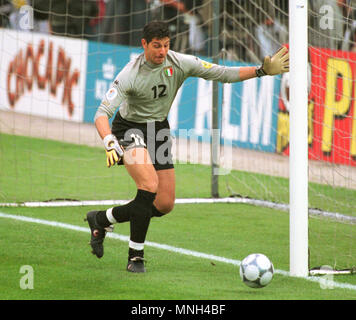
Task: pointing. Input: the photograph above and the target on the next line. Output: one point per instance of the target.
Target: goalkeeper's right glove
(114, 152)
(277, 64)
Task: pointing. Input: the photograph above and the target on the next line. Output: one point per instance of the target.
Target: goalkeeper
(139, 138)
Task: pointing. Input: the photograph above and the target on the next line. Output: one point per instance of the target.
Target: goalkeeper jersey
(145, 91)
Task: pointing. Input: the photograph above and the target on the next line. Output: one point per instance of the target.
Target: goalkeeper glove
(114, 152)
(277, 64)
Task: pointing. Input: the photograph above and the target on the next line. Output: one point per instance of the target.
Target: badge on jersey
(168, 71)
(111, 94)
(206, 65)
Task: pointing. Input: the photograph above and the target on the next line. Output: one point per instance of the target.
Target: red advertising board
(43, 75)
(331, 109)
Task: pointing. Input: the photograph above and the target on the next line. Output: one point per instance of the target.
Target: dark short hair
(155, 29)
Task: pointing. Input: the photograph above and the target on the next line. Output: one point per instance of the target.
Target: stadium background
(56, 68)
(108, 43)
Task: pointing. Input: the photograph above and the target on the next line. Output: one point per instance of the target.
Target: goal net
(57, 61)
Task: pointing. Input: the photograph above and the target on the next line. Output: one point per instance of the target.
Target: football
(256, 270)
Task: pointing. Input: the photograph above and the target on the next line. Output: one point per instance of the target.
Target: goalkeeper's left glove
(114, 152)
(277, 64)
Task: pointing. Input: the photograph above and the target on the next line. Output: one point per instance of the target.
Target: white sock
(109, 216)
(136, 246)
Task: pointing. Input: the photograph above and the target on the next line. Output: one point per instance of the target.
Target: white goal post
(298, 161)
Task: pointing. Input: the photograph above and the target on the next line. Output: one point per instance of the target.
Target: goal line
(242, 200)
(169, 248)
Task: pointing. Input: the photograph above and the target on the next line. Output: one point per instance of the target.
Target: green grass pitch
(64, 268)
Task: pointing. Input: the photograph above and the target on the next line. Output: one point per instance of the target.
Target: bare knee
(150, 185)
(165, 206)
(148, 182)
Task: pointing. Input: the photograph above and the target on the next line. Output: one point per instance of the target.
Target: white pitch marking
(165, 247)
(261, 203)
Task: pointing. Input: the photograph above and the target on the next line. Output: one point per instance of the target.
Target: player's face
(156, 51)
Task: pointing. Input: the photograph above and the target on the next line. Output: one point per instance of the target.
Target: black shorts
(154, 136)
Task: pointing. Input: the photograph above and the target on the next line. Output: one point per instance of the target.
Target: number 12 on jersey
(159, 91)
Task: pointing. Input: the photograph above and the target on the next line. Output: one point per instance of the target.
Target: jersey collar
(152, 65)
